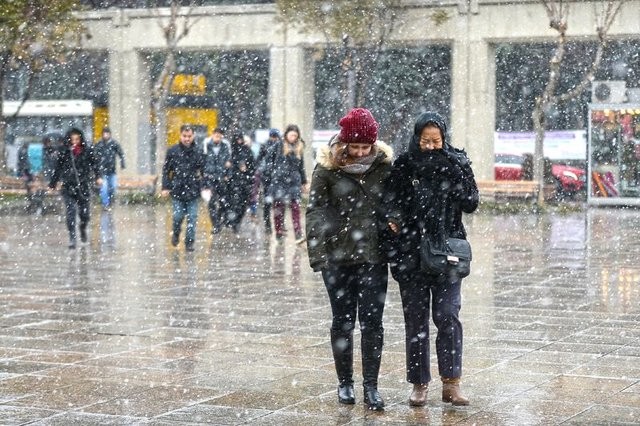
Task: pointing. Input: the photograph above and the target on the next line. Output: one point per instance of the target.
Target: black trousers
(217, 206)
(439, 296)
(356, 290)
(76, 205)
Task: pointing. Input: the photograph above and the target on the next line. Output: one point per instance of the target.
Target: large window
(403, 84)
(237, 80)
(522, 71)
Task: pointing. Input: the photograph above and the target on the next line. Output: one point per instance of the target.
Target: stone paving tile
(137, 332)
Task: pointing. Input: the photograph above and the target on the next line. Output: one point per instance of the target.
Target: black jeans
(357, 290)
(419, 293)
(76, 205)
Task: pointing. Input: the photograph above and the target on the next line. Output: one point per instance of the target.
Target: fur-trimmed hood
(324, 157)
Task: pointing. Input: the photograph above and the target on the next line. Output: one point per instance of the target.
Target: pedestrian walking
(76, 167)
(343, 226)
(23, 170)
(430, 187)
(240, 181)
(284, 169)
(217, 170)
(262, 177)
(51, 144)
(107, 149)
(182, 178)
(50, 151)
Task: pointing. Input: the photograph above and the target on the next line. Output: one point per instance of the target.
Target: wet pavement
(129, 330)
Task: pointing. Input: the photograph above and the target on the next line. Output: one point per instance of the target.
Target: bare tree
(33, 34)
(558, 14)
(174, 28)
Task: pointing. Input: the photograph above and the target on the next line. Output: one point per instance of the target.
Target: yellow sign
(188, 84)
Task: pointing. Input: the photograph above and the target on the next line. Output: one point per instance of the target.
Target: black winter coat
(427, 192)
(285, 173)
(241, 158)
(183, 172)
(343, 219)
(217, 167)
(77, 173)
(106, 152)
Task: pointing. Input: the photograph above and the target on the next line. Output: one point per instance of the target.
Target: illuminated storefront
(614, 154)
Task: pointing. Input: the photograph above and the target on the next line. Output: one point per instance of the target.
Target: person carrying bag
(429, 188)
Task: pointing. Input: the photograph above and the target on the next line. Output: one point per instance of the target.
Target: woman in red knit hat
(344, 244)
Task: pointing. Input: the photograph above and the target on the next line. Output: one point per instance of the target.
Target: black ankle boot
(346, 394)
(373, 399)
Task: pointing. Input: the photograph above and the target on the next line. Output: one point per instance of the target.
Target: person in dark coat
(76, 167)
(267, 201)
(284, 169)
(24, 171)
(106, 150)
(343, 227)
(24, 164)
(217, 170)
(50, 152)
(182, 175)
(430, 187)
(240, 181)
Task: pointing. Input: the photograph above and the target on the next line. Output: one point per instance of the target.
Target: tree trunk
(538, 154)
(3, 123)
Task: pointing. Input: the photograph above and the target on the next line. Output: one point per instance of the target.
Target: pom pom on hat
(358, 126)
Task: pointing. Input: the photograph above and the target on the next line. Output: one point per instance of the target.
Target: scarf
(354, 166)
(76, 150)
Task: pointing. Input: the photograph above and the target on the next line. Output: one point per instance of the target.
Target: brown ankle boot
(418, 397)
(451, 391)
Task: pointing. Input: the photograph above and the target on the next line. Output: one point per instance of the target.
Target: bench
(145, 184)
(501, 190)
(16, 185)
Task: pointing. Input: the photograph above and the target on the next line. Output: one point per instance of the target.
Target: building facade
(472, 31)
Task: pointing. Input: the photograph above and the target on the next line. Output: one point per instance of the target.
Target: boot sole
(456, 403)
(417, 403)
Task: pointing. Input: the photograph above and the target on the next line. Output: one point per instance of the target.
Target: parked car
(569, 180)
(508, 167)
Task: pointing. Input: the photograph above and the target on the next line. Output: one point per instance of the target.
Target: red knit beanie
(358, 126)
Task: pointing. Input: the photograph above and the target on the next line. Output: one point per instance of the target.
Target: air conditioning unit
(608, 92)
(633, 96)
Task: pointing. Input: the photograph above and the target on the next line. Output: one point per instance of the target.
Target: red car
(569, 180)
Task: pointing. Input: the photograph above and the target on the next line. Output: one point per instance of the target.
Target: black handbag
(444, 255)
(451, 257)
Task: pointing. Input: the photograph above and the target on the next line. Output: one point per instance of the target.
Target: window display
(614, 155)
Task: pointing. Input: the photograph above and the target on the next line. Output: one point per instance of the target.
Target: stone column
(129, 108)
(291, 92)
(473, 102)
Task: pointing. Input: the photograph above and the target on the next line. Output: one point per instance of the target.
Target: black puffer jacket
(77, 173)
(343, 217)
(427, 192)
(182, 173)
